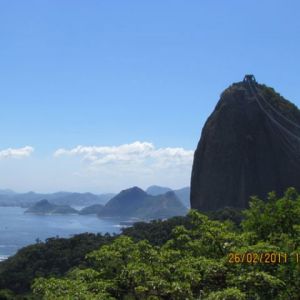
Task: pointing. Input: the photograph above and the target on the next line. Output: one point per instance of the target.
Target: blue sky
(147, 74)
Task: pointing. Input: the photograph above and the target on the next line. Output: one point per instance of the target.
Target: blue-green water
(18, 229)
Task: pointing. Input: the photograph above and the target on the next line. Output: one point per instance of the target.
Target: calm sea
(18, 229)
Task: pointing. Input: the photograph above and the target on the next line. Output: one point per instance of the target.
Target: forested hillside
(186, 258)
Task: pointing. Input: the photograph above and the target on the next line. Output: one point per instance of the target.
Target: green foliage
(58, 255)
(275, 217)
(53, 258)
(157, 232)
(6, 295)
(190, 263)
(227, 294)
(192, 259)
(227, 213)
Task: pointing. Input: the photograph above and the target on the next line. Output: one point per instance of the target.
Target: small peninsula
(44, 207)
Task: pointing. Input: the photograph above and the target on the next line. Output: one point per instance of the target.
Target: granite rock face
(243, 151)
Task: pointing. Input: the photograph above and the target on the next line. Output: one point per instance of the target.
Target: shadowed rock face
(242, 152)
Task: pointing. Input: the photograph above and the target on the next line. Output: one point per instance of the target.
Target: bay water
(19, 229)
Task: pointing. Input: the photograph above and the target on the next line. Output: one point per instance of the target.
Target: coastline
(3, 258)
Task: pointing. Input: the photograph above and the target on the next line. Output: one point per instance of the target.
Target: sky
(102, 95)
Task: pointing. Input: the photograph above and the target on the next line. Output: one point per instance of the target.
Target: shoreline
(3, 258)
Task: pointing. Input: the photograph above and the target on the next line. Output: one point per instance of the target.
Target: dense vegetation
(56, 256)
(51, 258)
(193, 258)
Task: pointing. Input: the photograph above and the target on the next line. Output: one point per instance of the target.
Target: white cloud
(16, 153)
(137, 153)
(112, 168)
(98, 169)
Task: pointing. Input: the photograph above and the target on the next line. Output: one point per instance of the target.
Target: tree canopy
(196, 257)
(195, 263)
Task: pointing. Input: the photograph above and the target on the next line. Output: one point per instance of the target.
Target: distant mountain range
(155, 190)
(11, 198)
(183, 194)
(60, 198)
(135, 202)
(129, 203)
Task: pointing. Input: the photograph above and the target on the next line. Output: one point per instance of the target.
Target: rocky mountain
(45, 207)
(249, 146)
(135, 202)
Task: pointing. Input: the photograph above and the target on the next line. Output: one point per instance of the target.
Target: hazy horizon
(84, 191)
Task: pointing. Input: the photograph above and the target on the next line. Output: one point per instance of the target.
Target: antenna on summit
(249, 78)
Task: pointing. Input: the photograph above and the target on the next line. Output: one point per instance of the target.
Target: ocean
(18, 229)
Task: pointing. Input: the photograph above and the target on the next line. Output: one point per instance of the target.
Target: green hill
(45, 207)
